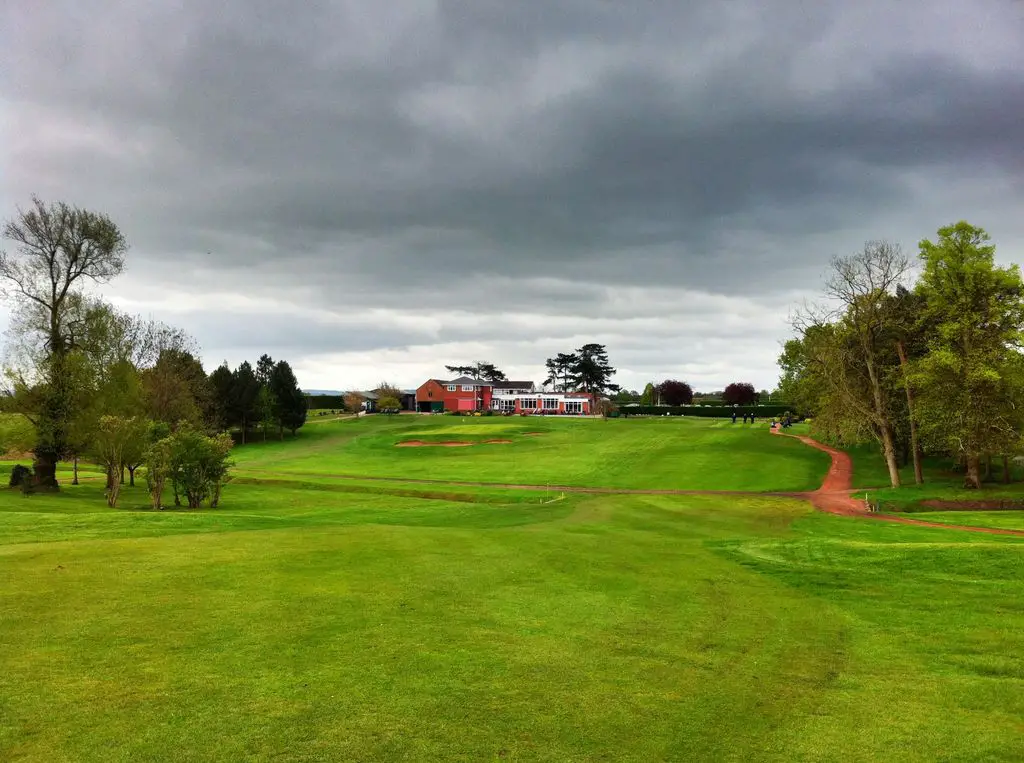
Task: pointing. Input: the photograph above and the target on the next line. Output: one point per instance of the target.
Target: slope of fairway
(670, 453)
(311, 618)
(307, 624)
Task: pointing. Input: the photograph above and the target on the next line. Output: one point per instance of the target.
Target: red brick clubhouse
(465, 394)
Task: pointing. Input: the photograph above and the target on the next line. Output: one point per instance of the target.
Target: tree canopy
(58, 250)
(674, 392)
(479, 370)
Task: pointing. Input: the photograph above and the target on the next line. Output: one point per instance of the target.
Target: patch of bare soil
(422, 444)
(497, 442)
(532, 434)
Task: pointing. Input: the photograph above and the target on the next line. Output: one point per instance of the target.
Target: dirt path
(835, 495)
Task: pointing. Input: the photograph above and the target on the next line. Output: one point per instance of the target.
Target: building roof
(467, 380)
(365, 394)
(512, 384)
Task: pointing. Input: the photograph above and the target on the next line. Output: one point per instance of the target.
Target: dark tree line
(264, 398)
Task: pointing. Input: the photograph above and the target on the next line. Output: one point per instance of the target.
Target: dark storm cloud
(479, 159)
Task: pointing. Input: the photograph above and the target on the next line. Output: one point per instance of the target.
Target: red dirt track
(835, 495)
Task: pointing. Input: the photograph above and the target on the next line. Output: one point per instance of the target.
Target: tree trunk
(110, 478)
(177, 495)
(113, 490)
(1006, 470)
(889, 451)
(915, 445)
(245, 425)
(156, 492)
(131, 476)
(74, 480)
(988, 468)
(972, 479)
(122, 474)
(44, 467)
(888, 446)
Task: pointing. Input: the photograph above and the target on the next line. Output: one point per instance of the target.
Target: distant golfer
(744, 417)
(734, 417)
(752, 415)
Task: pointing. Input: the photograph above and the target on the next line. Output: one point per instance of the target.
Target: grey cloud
(499, 157)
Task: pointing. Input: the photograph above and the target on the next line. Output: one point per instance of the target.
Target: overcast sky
(371, 190)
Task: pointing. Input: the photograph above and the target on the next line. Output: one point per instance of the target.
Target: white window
(574, 406)
(528, 403)
(551, 403)
(451, 387)
(508, 404)
(467, 388)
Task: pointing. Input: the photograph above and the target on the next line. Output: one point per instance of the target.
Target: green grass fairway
(316, 619)
(669, 453)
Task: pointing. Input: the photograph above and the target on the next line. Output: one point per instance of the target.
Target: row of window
(530, 404)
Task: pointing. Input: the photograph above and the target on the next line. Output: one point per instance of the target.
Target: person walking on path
(734, 417)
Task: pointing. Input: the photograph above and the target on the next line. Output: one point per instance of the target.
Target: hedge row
(707, 411)
(314, 402)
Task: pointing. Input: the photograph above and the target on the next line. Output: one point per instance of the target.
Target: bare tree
(863, 285)
(59, 249)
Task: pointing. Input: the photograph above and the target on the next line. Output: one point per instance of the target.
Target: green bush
(707, 411)
(20, 475)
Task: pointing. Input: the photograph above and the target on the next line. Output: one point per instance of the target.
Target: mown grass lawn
(667, 453)
(308, 619)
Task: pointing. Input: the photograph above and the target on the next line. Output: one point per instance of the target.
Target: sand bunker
(446, 443)
(422, 444)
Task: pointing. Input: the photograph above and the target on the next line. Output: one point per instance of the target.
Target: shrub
(196, 465)
(20, 475)
(706, 411)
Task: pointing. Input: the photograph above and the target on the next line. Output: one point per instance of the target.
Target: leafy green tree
(158, 463)
(245, 390)
(290, 400)
(592, 372)
(967, 378)
(560, 370)
(196, 465)
(222, 391)
(909, 333)
(389, 404)
(116, 439)
(479, 370)
(624, 396)
(264, 370)
(354, 402)
(266, 410)
(59, 249)
(178, 389)
(649, 394)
